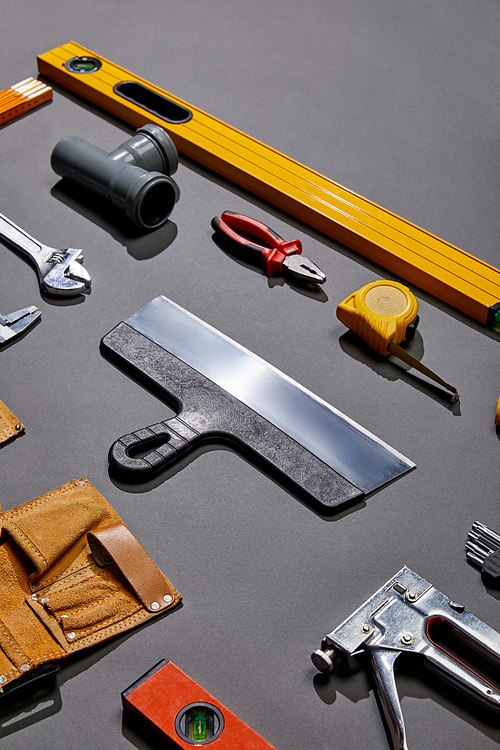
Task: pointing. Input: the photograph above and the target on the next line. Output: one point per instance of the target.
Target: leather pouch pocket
(52, 529)
(86, 602)
(120, 587)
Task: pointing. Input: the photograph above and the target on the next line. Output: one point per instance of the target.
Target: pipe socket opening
(155, 203)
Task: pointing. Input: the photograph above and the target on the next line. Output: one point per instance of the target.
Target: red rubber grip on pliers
(272, 254)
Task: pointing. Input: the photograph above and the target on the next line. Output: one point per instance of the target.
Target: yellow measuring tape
(453, 275)
(384, 314)
(21, 97)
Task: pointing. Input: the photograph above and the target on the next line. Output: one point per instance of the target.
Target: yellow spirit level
(383, 314)
(454, 276)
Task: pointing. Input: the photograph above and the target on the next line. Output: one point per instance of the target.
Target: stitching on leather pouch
(26, 507)
(12, 673)
(30, 543)
(13, 643)
(35, 663)
(65, 584)
(99, 601)
(104, 624)
(69, 573)
(141, 615)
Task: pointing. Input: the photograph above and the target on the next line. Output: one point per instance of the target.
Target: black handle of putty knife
(168, 441)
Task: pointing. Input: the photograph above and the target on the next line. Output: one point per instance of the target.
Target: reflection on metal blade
(341, 443)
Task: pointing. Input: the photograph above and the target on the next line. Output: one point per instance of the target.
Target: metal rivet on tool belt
(35, 585)
(366, 628)
(406, 638)
(34, 597)
(18, 427)
(155, 605)
(411, 596)
(3, 679)
(70, 636)
(82, 483)
(167, 598)
(24, 667)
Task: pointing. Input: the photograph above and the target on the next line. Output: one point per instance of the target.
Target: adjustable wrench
(60, 272)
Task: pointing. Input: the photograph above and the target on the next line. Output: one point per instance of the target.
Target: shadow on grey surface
(140, 244)
(144, 737)
(19, 336)
(307, 289)
(146, 486)
(50, 299)
(392, 369)
(34, 701)
(414, 681)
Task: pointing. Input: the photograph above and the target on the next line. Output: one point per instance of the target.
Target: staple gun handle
(383, 661)
(383, 664)
(142, 454)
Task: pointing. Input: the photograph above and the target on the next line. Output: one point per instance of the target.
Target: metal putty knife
(226, 394)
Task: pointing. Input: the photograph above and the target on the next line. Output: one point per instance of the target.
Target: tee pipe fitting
(134, 177)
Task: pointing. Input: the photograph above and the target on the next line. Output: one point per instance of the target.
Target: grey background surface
(397, 100)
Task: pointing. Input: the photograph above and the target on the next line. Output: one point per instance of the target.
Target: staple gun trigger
(402, 617)
(60, 272)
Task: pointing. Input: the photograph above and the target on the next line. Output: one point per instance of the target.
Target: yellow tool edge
(219, 158)
(218, 151)
(236, 165)
(451, 274)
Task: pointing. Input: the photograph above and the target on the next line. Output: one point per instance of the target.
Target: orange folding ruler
(21, 97)
(453, 275)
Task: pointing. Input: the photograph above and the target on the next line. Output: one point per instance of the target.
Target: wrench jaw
(66, 275)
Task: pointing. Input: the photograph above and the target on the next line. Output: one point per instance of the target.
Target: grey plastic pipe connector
(134, 177)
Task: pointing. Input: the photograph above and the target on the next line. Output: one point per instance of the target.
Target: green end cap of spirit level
(493, 319)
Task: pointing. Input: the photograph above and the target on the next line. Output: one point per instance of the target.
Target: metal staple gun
(399, 619)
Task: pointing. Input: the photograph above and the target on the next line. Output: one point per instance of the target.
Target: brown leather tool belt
(71, 576)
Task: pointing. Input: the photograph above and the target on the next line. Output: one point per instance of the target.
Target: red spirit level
(174, 707)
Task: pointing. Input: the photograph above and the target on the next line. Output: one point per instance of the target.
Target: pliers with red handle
(276, 255)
